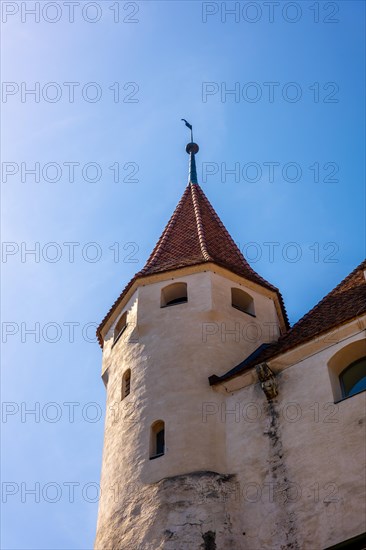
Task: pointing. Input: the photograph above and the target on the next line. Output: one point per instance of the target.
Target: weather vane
(188, 126)
(191, 148)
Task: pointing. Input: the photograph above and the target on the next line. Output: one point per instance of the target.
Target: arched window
(353, 378)
(126, 383)
(120, 326)
(157, 439)
(173, 294)
(242, 301)
(347, 370)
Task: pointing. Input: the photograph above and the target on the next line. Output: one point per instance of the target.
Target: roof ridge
(199, 223)
(322, 300)
(227, 234)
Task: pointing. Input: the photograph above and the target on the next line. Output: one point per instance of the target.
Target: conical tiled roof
(195, 235)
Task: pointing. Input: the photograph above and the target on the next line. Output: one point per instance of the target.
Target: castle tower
(196, 308)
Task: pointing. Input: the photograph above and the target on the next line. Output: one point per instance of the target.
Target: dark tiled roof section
(241, 367)
(344, 303)
(195, 235)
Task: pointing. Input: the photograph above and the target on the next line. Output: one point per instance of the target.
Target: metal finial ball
(192, 148)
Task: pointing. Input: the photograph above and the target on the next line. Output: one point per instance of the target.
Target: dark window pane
(181, 300)
(353, 378)
(126, 384)
(127, 390)
(160, 442)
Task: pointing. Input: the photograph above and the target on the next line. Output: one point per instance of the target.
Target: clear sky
(110, 90)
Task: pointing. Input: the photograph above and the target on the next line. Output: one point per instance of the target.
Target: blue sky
(167, 65)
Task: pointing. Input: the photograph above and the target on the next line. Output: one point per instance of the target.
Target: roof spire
(191, 148)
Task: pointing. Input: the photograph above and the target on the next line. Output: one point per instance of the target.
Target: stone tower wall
(171, 352)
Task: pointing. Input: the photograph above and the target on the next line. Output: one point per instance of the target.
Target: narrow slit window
(126, 383)
(120, 327)
(157, 439)
(160, 436)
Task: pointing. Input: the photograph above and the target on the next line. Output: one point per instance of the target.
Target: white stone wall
(171, 353)
(299, 462)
